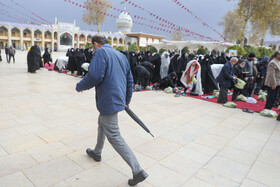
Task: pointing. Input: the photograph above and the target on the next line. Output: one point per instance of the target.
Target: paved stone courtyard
(45, 128)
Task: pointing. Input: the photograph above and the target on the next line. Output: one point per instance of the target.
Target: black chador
(142, 76)
(168, 81)
(72, 60)
(32, 60)
(79, 61)
(208, 81)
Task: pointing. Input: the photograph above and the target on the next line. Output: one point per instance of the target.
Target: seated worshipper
(191, 78)
(209, 83)
(226, 79)
(272, 80)
(165, 62)
(61, 63)
(47, 57)
(168, 81)
(142, 76)
(72, 60)
(239, 73)
(262, 69)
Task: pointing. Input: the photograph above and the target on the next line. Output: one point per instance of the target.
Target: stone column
(21, 38)
(9, 36)
(32, 37)
(52, 41)
(58, 40)
(43, 39)
(73, 40)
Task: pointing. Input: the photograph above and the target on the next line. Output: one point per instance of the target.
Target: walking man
(12, 53)
(110, 74)
(7, 53)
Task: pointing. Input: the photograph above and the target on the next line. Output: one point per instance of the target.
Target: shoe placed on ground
(177, 95)
(140, 177)
(184, 94)
(234, 100)
(91, 154)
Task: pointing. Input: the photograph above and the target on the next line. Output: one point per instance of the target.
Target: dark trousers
(223, 95)
(271, 97)
(236, 93)
(7, 58)
(259, 86)
(10, 56)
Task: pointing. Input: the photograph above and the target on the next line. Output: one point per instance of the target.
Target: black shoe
(140, 177)
(93, 155)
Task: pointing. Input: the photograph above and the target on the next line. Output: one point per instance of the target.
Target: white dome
(124, 23)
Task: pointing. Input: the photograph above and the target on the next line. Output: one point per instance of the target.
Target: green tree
(240, 50)
(109, 42)
(133, 47)
(92, 15)
(185, 50)
(143, 49)
(153, 49)
(249, 49)
(89, 45)
(265, 52)
(201, 51)
(120, 48)
(161, 50)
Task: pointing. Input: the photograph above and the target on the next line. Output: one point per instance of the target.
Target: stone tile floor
(45, 127)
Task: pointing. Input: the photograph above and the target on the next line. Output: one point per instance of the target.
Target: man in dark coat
(7, 52)
(239, 73)
(207, 79)
(225, 79)
(142, 76)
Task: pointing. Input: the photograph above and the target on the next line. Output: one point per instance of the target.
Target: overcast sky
(211, 11)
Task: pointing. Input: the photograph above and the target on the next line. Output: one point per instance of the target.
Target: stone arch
(89, 37)
(115, 40)
(129, 44)
(120, 41)
(37, 34)
(3, 31)
(55, 35)
(82, 37)
(66, 39)
(76, 36)
(48, 35)
(27, 33)
(109, 38)
(55, 46)
(15, 32)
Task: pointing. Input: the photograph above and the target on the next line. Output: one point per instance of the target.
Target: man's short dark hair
(99, 39)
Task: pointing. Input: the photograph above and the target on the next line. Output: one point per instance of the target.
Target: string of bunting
(188, 32)
(8, 14)
(178, 3)
(191, 33)
(31, 20)
(163, 27)
(16, 3)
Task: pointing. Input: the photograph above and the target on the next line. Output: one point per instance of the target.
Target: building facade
(58, 37)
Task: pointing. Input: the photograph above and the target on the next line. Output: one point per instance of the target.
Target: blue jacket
(110, 74)
(226, 76)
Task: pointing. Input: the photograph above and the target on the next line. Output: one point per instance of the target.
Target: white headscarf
(198, 77)
(165, 62)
